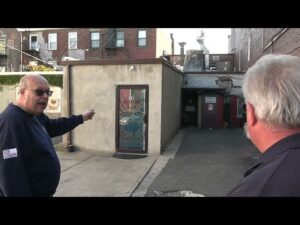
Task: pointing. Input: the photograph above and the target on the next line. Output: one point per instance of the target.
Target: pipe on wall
(69, 144)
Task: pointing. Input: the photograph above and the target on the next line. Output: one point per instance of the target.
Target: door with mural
(132, 119)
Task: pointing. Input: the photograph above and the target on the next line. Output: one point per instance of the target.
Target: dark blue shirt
(29, 165)
(275, 174)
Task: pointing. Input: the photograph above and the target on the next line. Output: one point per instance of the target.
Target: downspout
(21, 56)
(274, 39)
(69, 144)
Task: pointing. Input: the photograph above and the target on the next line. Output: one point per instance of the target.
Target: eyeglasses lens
(41, 92)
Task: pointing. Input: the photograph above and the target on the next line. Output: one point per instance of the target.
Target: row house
(53, 46)
(10, 54)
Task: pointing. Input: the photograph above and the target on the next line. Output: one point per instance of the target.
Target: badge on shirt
(10, 153)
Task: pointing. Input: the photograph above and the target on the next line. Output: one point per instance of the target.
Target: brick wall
(84, 50)
(12, 58)
(262, 41)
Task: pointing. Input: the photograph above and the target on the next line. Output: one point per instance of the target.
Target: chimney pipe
(182, 47)
(172, 44)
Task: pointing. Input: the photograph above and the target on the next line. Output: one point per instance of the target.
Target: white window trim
(69, 40)
(99, 39)
(142, 37)
(49, 41)
(120, 42)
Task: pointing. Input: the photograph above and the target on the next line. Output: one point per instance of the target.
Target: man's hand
(88, 115)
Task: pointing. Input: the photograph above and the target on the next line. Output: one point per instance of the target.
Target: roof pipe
(172, 43)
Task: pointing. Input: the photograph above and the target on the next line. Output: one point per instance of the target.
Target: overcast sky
(215, 39)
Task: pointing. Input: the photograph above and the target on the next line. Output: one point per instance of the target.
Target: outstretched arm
(60, 126)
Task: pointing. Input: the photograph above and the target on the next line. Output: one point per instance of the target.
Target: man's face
(35, 95)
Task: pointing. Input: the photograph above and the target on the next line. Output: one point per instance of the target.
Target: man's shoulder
(11, 115)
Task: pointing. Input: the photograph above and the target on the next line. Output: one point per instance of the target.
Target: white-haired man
(272, 94)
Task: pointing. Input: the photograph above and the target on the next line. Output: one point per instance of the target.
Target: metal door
(209, 111)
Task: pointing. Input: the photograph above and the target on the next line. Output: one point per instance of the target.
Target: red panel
(212, 113)
(220, 112)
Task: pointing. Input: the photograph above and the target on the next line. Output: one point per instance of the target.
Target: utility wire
(22, 52)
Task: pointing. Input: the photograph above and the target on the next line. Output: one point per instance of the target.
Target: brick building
(56, 45)
(249, 44)
(10, 42)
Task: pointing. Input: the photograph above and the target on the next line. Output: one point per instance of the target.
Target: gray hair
(272, 86)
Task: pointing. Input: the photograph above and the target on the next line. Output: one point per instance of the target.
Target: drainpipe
(274, 39)
(68, 86)
(182, 52)
(21, 42)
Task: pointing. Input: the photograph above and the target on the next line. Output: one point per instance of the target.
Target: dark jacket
(29, 165)
(275, 174)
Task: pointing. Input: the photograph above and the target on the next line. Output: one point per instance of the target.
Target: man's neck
(21, 106)
(267, 136)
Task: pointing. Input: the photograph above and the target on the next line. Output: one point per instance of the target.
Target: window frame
(141, 38)
(94, 40)
(71, 42)
(120, 40)
(50, 42)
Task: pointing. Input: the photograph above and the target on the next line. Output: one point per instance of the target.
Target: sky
(215, 39)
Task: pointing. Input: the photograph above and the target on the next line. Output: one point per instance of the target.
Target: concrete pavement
(208, 162)
(196, 163)
(85, 174)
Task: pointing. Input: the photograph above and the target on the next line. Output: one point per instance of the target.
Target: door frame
(146, 122)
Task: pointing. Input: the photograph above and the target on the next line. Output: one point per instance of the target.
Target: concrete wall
(172, 82)
(7, 95)
(94, 87)
(210, 80)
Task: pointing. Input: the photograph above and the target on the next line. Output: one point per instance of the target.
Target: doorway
(132, 119)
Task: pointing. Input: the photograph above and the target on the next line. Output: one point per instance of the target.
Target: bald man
(29, 165)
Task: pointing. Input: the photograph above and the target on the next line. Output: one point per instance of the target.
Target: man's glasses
(41, 93)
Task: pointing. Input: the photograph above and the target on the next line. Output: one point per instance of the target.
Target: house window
(142, 38)
(120, 39)
(33, 44)
(2, 46)
(72, 40)
(52, 41)
(95, 39)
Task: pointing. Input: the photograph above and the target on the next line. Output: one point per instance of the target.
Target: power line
(22, 52)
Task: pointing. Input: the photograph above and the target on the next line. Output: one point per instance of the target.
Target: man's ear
(21, 91)
(251, 117)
